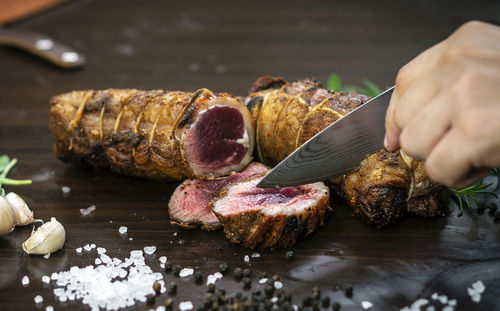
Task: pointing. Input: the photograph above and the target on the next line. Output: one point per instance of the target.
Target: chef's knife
(336, 150)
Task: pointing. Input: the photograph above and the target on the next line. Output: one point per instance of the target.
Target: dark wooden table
(225, 46)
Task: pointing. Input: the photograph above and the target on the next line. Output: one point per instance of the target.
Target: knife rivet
(44, 44)
(70, 57)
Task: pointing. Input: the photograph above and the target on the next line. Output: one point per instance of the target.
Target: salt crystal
(122, 230)
(175, 233)
(263, 280)
(49, 308)
(405, 309)
(130, 239)
(78, 250)
(45, 279)
(136, 254)
(161, 308)
(38, 299)
(479, 286)
(246, 259)
(366, 304)
(25, 281)
(186, 272)
(255, 255)
(162, 265)
(87, 211)
(476, 297)
(87, 248)
(212, 278)
(58, 291)
(447, 308)
(435, 296)
(419, 303)
(185, 305)
(452, 302)
(92, 245)
(65, 189)
(278, 285)
(46, 256)
(97, 261)
(149, 250)
(63, 298)
(295, 307)
(163, 259)
(54, 276)
(101, 250)
(471, 291)
(274, 299)
(443, 299)
(430, 308)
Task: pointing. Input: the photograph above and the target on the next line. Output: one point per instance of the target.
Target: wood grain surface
(225, 46)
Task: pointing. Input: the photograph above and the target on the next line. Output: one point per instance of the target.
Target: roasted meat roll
(153, 134)
(387, 185)
(270, 217)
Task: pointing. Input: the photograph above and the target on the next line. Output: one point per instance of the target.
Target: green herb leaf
(334, 83)
(4, 161)
(463, 196)
(371, 89)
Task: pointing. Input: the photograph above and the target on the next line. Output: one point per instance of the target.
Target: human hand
(446, 106)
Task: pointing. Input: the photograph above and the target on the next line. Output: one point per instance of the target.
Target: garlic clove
(24, 216)
(7, 217)
(49, 238)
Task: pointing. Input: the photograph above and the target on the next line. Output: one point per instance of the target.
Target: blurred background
(226, 45)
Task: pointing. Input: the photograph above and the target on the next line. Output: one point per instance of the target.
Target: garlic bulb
(24, 216)
(7, 217)
(47, 239)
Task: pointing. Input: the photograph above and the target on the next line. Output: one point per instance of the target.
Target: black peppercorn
(150, 300)
(211, 288)
(237, 273)
(336, 306)
(348, 291)
(269, 290)
(172, 288)
(157, 287)
(177, 269)
(224, 268)
(169, 303)
(307, 301)
(247, 272)
(168, 267)
(325, 302)
(247, 283)
(198, 277)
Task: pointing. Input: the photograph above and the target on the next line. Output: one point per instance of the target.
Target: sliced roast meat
(188, 206)
(270, 217)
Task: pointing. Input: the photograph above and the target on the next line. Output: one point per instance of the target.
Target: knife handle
(42, 46)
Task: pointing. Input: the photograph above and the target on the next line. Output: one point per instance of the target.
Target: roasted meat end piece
(378, 191)
(270, 217)
(188, 205)
(388, 186)
(153, 134)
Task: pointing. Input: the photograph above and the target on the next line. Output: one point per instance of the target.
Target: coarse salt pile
(420, 303)
(112, 284)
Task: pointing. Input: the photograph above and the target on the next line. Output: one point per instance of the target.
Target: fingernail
(386, 141)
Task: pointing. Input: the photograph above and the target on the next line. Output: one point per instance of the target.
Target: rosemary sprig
(6, 165)
(370, 89)
(465, 195)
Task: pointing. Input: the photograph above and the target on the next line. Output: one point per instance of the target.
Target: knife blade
(337, 149)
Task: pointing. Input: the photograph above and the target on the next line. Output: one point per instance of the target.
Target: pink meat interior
(245, 196)
(261, 196)
(212, 144)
